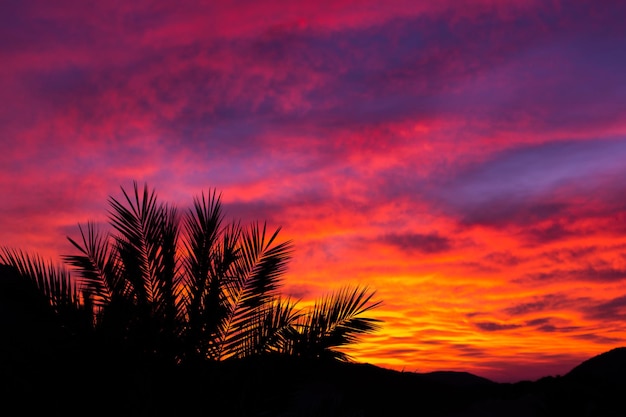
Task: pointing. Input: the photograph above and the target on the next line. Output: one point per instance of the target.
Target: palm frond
(271, 330)
(217, 302)
(96, 266)
(146, 244)
(202, 226)
(256, 278)
(261, 265)
(210, 250)
(202, 230)
(167, 277)
(53, 282)
(137, 222)
(335, 322)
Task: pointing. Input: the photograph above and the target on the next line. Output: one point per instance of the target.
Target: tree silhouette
(184, 287)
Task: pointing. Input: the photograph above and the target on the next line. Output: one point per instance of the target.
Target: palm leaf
(96, 266)
(202, 227)
(210, 251)
(335, 322)
(146, 244)
(271, 330)
(257, 273)
(216, 301)
(167, 277)
(53, 282)
(137, 223)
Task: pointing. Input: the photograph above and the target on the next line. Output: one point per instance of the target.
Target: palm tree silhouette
(185, 287)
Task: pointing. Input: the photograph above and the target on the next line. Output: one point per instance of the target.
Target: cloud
(543, 303)
(496, 327)
(599, 339)
(589, 274)
(418, 242)
(467, 350)
(611, 310)
(553, 231)
(571, 254)
(528, 184)
(550, 328)
(553, 325)
(552, 311)
(503, 259)
(451, 154)
(539, 322)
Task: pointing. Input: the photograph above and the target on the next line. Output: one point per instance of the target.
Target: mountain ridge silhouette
(607, 366)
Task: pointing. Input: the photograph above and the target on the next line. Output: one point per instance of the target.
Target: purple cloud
(419, 242)
(529, 184)
(496, 327)
(484, 140)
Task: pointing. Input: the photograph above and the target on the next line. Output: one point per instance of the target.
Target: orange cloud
(463, 159)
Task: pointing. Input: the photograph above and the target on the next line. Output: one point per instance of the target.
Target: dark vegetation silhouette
(165, 290)
(181, 314)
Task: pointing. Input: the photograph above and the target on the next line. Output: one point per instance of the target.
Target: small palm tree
(188, 286)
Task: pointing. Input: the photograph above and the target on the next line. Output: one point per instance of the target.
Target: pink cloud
(463, 159)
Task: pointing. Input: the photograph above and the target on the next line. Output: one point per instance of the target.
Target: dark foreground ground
(286, 387)
(73, 380)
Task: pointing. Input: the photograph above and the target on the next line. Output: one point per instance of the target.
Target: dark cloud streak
(425, 243)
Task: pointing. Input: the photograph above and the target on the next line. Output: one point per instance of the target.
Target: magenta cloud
(456, 153)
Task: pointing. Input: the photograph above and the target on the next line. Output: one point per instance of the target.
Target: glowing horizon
(463, 159)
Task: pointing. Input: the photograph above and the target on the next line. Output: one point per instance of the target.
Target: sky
(464, 159)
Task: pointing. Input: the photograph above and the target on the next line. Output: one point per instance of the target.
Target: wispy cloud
(463, 158)
(418, 242)
(495, 327)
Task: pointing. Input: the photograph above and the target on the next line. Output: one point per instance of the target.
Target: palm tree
(189, 286)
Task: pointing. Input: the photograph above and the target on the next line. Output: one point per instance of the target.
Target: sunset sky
(465, 159)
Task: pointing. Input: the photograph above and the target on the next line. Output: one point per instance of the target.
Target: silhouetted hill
(596, 386)
(461, 379)
(608, 367)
